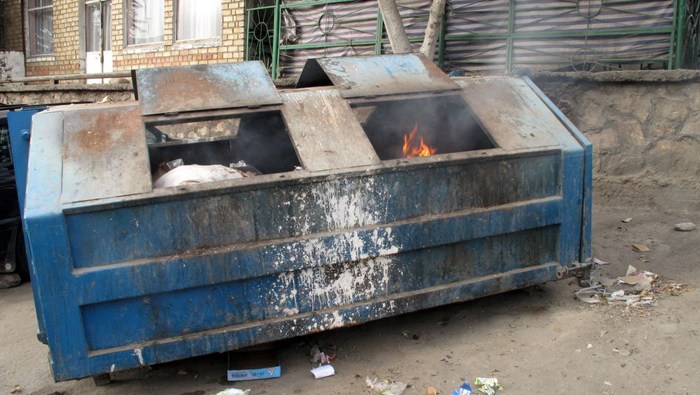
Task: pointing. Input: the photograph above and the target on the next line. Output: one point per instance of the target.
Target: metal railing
(55, 79)
(510, 34)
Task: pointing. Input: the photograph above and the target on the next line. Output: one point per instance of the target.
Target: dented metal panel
(512, 113)
(325, 131)
(204, 87)
(374, 76)
(104, 153)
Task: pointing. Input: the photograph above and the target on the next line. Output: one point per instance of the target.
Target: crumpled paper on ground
(386, 387)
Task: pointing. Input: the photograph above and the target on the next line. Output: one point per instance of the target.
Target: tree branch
(432, 31)
(394, 26)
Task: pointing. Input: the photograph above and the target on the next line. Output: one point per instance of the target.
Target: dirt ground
(539, 340)
(535, 341)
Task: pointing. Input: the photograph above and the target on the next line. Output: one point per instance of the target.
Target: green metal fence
(487, 36)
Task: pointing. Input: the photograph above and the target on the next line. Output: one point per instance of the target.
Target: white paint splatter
(338, 321)
(139, 355)
(290, 312)
(354, 266)
(356, 282)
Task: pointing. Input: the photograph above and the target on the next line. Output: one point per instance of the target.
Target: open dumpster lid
(385, 75)
(204, 87)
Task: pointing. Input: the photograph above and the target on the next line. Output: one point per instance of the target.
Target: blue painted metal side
(19, 124)
(587, 215)
(150, 277)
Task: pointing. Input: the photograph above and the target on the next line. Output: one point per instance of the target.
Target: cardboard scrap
(641, 248)
(253, 365)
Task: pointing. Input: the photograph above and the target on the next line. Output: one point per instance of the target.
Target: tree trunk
(432, 31)
(394, 26)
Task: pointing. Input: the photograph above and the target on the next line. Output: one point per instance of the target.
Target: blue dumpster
(340, 225)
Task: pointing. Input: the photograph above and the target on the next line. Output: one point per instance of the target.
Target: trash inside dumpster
(377, 187)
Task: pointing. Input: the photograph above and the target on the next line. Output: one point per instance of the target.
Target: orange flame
(413, 148)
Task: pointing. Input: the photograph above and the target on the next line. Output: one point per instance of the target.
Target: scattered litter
(627, 220)
(323, 371)
(182, 372)
(16, 390)
(636, 280)
(607, 383)
(589, 346)
(247, 169)
(684, 226)
(386, 387)
(253, 365)
(671, 288)
(637, 288)
(600, 262)
(487, 385)
(464, 389)
(431, 391)
(315, 353)
(641, 247)
(233, 391)
(320, 357)
(410, 336)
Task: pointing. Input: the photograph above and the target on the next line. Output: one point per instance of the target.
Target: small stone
(684, 226)
(589, 346)
(431, 391)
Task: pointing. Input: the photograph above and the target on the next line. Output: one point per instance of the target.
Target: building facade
(11, 50)
(92, 36)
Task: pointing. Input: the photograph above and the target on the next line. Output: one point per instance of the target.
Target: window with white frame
(144, 21)
(198, 19)
(40, 27)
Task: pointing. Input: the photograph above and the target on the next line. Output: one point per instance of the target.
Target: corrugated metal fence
(491, 36)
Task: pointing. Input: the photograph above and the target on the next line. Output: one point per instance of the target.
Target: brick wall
(230, 48)
(66, 42)
(11, 26)
(67, 56)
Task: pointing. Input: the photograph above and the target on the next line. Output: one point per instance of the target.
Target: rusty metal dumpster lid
(204, 87)
(371, 76)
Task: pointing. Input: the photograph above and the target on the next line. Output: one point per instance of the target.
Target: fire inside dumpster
(422, 127)
(338, 226)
